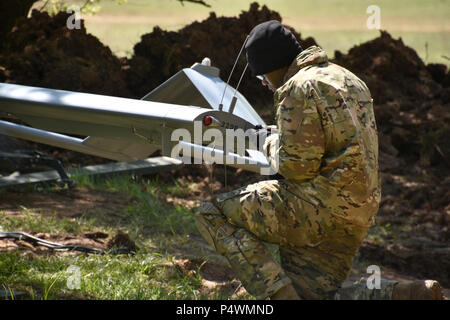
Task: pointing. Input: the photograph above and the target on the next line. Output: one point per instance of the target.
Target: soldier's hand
(271, 144)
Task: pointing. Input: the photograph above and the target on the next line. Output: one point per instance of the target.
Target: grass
(146, 212)
(335, 24)
(146, 275)
(32, 222)
(162, 232)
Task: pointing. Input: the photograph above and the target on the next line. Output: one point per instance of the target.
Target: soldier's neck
(276, 77)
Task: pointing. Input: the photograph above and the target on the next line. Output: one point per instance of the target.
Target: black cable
(19, 235)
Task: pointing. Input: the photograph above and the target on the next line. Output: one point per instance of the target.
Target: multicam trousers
(316, 248)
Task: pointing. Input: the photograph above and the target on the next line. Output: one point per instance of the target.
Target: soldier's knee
(212, 225)
(204, 227)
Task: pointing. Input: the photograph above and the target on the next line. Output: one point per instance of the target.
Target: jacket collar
(311, 56)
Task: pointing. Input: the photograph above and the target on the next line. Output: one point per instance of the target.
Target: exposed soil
(215, 277)
(412, 107)
(72, 203)
(122, 241)
(41, 51)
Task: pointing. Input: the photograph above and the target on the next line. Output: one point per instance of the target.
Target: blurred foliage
(90, 6)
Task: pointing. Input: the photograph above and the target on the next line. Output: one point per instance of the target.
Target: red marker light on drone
(207, 120)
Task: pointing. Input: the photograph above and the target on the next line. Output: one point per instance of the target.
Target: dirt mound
(215, 277)
(42, 51)
(122, 241)
(385, 64)
(160, 54)
(209, 270)
(411, 100)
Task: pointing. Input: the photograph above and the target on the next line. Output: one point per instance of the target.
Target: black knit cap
(270, 46)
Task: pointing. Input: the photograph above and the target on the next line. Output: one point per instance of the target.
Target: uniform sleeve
(301, 137)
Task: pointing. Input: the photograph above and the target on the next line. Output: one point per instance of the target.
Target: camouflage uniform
(319, 214)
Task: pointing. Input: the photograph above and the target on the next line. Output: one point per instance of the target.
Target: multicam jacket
(328, 143)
